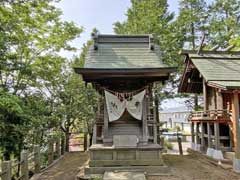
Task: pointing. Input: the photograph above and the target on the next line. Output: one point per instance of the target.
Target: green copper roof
(221, 69)
(225, 84)
(122, 52)
(218, 69)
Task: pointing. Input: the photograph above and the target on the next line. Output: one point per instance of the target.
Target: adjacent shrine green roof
(123, 52)
(219, 68)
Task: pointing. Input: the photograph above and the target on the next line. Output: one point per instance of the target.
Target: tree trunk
(85, 142)
(67, 135)
(90, 138)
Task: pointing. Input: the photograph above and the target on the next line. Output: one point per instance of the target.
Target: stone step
(124, 175)
(159, 170)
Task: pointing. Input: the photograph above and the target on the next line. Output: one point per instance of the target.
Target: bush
(168, 145)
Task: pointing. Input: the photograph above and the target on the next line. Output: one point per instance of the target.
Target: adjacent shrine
(123, 69)
(215, 74)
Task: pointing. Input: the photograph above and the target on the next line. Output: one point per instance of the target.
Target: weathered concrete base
(218, 155)
(210, 152)
(124, 175)
(146, 158)
(236, 165)
(215, 154)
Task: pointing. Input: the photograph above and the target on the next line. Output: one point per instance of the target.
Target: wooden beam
(204, 95)
(219, 99)
(202, 137)
(105, 129)
(216, 134)
(209, 133)
(144, 121)
(236, 128)
(192, 132)
(197, 133)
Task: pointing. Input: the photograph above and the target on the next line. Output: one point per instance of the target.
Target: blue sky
(102, 14)
(97, 13)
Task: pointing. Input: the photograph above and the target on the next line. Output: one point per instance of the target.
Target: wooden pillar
(50, 151)
(37, 159)
(216, 134)
(144, 121)
(219, 98)
(192, 132)
(105, 128)
(230, 138)
(24, 165)
(155, 134)
(236, 129)
(6, 170)
(202, 136)
(94, 138)
(209, 132)
(197, 133)
(205, 95)
(58, 147)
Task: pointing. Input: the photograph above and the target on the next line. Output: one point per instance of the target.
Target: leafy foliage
(31, 69)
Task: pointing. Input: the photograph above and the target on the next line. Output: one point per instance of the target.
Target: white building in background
(175, 117)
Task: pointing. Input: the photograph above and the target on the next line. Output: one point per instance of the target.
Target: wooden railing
(30, 163)
(210, 115)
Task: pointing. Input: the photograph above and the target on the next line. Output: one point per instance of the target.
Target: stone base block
(147, 158)
(216, 154)
(210, 152)
(236, 165)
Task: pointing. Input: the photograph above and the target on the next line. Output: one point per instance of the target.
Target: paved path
(66, 169)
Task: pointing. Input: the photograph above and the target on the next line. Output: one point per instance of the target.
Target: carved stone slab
(125, 140)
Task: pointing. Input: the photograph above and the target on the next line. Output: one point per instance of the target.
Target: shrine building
(215, 75)
(124, 69)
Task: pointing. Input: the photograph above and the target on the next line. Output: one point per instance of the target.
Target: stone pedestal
(142, 158)
(236, 165)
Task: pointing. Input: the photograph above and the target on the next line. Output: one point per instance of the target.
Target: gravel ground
(66, 169)
(186, 167)
(194, 167)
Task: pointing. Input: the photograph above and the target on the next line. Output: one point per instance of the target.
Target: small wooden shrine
(123, 69)
(215, 74)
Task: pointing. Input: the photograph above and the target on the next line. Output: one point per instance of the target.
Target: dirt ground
(187, 167)
(194, 167)
(66, 168)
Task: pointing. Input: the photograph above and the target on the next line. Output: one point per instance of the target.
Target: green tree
(153, 17)
(192, 21)
(224, 21)
(32, 35)
(77, 106)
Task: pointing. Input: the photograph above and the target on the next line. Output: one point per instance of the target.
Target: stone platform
(145, 158)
